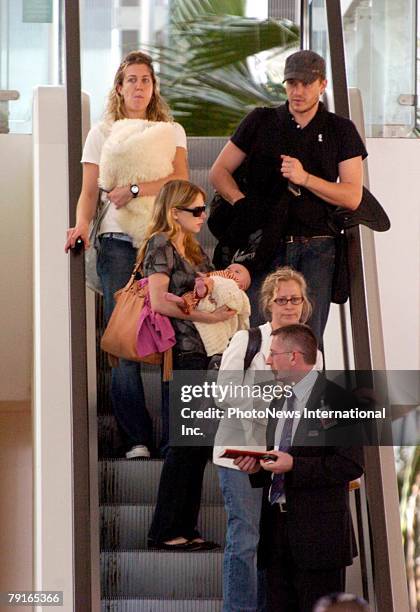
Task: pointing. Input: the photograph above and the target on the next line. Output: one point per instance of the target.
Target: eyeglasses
(274, 353)
(196, 212)
(282, 301)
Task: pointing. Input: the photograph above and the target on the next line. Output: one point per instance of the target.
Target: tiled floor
(15, 498)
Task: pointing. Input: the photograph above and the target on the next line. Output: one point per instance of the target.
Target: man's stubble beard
(306, 110)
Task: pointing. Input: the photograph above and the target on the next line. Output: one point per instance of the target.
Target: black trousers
(289, 587)
(179, 494)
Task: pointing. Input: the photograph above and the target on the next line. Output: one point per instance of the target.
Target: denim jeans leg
(317, 266)
(257, 318)
(243, 509)
(116, 259)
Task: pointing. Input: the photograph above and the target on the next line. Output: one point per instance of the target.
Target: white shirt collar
(303, 388)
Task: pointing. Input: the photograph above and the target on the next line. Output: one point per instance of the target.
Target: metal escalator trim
(382, 495)
(86, 576)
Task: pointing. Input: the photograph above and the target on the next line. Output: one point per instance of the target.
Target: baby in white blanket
(219, 288)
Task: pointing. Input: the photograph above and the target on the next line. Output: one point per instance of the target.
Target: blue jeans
(243, 509)
(315, 260)
(257, 317)
(116, 259)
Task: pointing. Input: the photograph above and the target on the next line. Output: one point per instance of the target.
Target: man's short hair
(343, 602)
(346, 606)
(301, 338)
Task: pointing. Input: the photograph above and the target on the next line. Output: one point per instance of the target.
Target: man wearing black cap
(299, 160)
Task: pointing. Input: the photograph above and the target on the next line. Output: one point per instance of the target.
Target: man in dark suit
(307, 536)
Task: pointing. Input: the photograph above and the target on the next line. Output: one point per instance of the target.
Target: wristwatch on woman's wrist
(135, 190)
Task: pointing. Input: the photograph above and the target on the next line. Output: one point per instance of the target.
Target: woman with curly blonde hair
(134, 96)
(156, 110)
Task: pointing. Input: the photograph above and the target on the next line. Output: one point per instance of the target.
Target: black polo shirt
(267, 133)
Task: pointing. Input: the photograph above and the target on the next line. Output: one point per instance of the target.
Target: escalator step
(125, 527)
(132, 481)
(109, 438)
(161, 605)
(170, 575)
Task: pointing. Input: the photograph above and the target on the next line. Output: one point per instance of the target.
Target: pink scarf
(155, 333)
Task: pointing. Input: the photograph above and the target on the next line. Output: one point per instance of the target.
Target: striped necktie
(277, 483)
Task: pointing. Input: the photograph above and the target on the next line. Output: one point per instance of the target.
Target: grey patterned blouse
(162, 257)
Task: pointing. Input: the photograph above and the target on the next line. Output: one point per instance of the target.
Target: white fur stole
(136, 151)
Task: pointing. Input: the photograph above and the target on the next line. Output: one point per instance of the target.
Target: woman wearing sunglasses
(284, 301)
(171, 259)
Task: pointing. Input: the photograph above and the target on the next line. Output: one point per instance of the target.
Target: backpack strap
(253, 346)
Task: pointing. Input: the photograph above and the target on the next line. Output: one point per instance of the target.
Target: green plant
(409, 481)
(204, 67)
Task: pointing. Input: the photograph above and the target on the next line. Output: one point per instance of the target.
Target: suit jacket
(319, 524)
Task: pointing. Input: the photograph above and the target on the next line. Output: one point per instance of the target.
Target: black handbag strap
(136, 268)
(253, 346)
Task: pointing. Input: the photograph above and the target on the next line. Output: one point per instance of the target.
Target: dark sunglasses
(196, 212)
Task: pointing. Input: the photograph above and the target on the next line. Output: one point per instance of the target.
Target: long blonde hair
(271, 284)
(174, 194)
(157, 109)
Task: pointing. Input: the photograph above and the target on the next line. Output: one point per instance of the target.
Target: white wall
(52, 401)
(394, 173)
(16, 508)
(16, 267)
(53, 488)
(394, 169)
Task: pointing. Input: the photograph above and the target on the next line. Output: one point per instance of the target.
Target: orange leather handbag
(120, 337)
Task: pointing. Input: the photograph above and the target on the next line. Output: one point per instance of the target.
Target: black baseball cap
(305, 66)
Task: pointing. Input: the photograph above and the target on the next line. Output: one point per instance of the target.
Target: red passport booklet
(233, 453)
